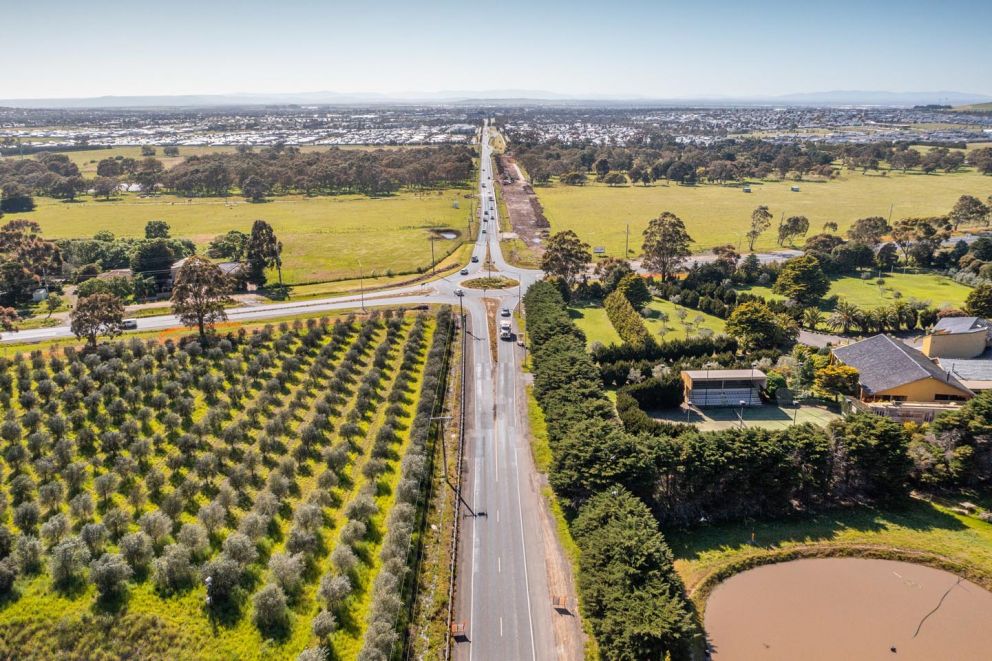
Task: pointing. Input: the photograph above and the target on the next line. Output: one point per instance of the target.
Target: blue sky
(661, 49)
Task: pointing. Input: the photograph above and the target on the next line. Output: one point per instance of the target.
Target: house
(957, 337)
(899, 381)
(723, 387)
(975, 374)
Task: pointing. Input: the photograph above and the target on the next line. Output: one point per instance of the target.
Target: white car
(505, 312)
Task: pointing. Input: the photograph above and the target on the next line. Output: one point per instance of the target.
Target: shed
(723, 387)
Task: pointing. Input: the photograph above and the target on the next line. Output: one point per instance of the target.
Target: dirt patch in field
(527, 218)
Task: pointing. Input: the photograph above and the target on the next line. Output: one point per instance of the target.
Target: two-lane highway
(502, 594)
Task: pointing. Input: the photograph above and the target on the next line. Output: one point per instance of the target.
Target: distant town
(47, 129)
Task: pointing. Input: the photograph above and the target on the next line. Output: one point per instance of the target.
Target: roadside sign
(599, 250)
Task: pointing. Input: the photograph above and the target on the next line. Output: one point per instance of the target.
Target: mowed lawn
(937, 289)
(716, 215)
(324, 238)
(674, 328)
(593, 321)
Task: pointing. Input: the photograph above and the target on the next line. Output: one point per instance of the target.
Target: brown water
(849, 609)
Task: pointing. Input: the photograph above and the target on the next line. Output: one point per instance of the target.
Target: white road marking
(499, 564)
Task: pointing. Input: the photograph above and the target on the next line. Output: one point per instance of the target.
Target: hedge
(625, 319)
(635, 609)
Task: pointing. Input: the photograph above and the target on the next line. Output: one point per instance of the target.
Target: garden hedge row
(632, 597)
(625, 319)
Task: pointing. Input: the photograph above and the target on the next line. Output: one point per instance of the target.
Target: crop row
(234, 466)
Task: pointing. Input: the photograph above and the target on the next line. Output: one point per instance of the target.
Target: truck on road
(505, 332)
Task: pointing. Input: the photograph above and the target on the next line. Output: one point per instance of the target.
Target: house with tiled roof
(900, 381)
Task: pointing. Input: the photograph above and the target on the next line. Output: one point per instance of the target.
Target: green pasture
(717, 214)
(592, 321)
(675, 328)
(939, 290)
(324, 238)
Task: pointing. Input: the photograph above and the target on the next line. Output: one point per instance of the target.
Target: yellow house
(892, 371)
(957, 337)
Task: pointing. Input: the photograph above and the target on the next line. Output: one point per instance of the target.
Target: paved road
(502, 594)
(507, 554)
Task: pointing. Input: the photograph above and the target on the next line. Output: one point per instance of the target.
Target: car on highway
(505, 312)
(475, 259)
(130, 324)
(483, 230)
(464, 271)
(459, 292)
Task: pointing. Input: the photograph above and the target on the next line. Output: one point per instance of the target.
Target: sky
(637, 48)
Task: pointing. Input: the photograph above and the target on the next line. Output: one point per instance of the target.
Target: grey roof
(976, 369)
(719, 375)
(884, 362)
(955, 325)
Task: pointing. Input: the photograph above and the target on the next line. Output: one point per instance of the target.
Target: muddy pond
(847, 608)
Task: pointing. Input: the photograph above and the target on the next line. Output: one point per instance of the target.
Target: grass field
(920, 527)
(675, 328)
(592, 321)
(939, 290)
(45, 619)
(716, 215)
(324, 238)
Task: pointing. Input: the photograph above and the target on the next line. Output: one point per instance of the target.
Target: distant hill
(508, 97)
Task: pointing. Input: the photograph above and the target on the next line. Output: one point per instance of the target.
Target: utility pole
(433, 262)
(626, 242)
(361, 283)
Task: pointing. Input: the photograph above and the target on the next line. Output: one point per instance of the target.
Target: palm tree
(812, 318)
(844, 316)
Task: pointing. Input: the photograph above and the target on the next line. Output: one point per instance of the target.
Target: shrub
(137, 550)
(110, 573)
(68, 560)
(628, 324)
(270, 610)
(334, 589)
(173, 570)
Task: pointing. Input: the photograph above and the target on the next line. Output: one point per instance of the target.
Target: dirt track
(526, 214)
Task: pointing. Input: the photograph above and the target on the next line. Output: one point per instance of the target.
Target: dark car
(129, 324)
(475, 259)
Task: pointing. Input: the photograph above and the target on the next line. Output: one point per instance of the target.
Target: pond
(848, 608)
